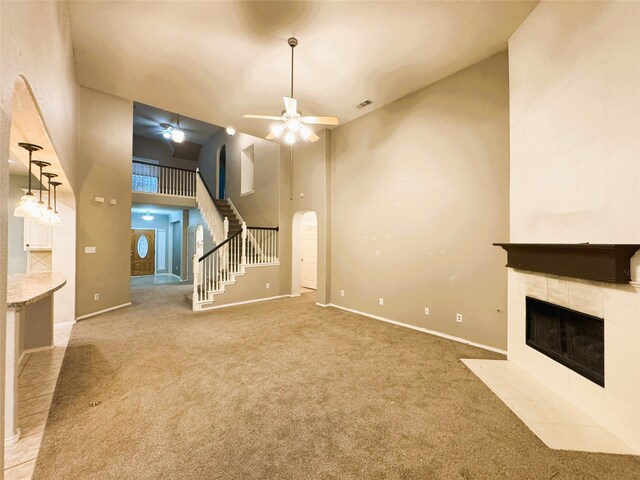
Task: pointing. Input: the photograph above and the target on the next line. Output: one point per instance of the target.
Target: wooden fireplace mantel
(600, 262)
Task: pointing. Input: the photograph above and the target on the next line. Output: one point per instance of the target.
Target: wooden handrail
(207, 187)
(220, 245)
(275, 229)
(163, 166)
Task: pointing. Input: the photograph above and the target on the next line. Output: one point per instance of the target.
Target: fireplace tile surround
(616, 407)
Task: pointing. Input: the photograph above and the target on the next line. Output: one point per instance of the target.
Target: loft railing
(158, 179)
(251, 246)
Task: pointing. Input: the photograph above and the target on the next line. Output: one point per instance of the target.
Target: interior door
(143, 252)
(308, 256)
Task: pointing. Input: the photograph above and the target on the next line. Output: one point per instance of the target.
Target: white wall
(575, 124)
(575, 177)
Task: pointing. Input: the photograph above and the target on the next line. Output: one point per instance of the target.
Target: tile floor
(36, 383)
(159, 279)
(555, 421)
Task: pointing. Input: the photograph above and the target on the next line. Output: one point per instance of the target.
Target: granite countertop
(26, 288)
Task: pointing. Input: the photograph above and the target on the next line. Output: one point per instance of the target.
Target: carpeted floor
(283, 390)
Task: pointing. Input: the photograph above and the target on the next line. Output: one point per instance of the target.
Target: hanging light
(177, 135)
(48, 216)
(166, 130)
(305, 132)
(55, 220)
(28, 206)
(42, 208)
(147, 216)
(290, 138)
(278, 129)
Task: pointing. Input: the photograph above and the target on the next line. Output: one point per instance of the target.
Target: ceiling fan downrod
(292, 43)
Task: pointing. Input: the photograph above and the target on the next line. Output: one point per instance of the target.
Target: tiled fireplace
(616, 405)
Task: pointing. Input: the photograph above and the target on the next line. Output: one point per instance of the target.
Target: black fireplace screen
(571, 338)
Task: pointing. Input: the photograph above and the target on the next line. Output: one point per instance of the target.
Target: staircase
(226, 210)
(237, 247)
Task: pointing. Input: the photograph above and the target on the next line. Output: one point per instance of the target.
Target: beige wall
(259, 209)
(44, 57)
(419, 191)
(575, 124)
(306, 187)
(104, 170)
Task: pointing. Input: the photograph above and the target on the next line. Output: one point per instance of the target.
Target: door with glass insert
(143, 252)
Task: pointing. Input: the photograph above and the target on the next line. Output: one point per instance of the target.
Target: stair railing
(217, 267)
(209, 211)
(220, 265)
(263, 245)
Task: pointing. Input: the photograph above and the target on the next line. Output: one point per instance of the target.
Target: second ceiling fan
(293, 125)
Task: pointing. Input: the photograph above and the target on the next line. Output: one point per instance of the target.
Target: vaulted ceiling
(215, 61)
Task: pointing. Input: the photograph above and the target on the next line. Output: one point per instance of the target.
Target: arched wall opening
(300, 243)
(27, 125)
(221, 172)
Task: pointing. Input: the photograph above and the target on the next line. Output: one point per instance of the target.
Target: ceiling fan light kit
(293, 125)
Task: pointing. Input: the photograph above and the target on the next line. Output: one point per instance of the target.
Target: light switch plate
(89, 249)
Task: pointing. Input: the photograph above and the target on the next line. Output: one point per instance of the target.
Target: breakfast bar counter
(29, 327)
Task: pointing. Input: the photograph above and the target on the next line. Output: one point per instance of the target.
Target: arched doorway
(222, 173)
(304, 260)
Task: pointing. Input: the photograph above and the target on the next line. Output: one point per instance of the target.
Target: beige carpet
(283, 390)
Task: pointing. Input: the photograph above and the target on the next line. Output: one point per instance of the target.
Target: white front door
(308, 256)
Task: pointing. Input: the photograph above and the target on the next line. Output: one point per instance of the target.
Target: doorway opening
(222, 173)
(304, 262)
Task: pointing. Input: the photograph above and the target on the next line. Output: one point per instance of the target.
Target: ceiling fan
(293, 125)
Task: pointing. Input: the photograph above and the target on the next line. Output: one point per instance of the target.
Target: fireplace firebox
(574, 339)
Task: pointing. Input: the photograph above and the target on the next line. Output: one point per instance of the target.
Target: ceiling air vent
(366, 103)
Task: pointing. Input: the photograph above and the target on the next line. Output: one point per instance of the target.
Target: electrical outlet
(381, 301)
(268, 285)
(342, 293)
(459, 317)
(426, 310)
(96, 296)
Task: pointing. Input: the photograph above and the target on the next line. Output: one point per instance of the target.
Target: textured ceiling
(215, 61)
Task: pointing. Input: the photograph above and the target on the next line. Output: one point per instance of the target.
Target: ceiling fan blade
(291, 105)
(320, 120)
(262, 117)
(271, 136)
(313, 137)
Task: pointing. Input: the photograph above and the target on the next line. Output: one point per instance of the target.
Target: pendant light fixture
(147, 216)
(28, 206)
(42, 208)
(55, 220)
(47, 217)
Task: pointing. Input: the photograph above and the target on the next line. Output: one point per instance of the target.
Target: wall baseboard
(325, 305)
(64, 324)
(243, 303)
(419, 329)
(38, 349)
(82, 317)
